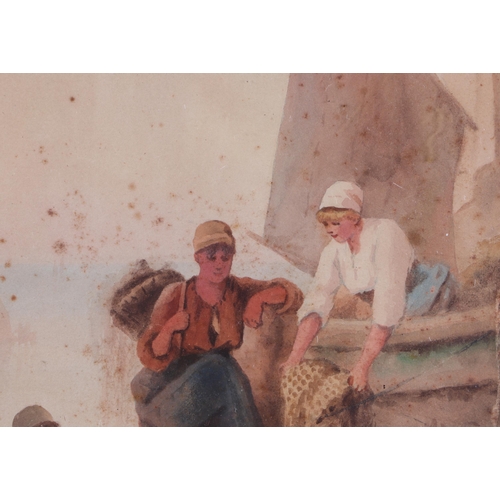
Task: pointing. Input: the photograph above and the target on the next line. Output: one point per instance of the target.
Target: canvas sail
(398, 136)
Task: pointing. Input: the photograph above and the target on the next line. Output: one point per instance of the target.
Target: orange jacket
(196, 338)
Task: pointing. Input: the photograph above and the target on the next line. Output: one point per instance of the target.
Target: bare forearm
(374, 344)
(161, 344)
(308, 329)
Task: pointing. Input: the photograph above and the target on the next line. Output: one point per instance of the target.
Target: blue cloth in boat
(430, 288)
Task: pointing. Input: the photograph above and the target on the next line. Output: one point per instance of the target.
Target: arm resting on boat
(253, 311)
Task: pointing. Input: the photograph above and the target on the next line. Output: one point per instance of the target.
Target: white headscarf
(343, 194)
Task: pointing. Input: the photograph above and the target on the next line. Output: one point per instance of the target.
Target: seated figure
(190, 377)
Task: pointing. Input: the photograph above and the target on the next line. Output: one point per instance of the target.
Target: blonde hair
(333, 214)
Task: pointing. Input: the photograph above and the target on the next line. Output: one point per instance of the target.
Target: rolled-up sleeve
(393, 259)
(320, 296)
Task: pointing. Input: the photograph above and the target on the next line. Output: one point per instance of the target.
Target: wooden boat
(452, 349)
(320, 142)
(424, 353)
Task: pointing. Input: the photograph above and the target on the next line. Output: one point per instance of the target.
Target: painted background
(99, 171)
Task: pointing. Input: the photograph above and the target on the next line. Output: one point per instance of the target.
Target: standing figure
(367, 256)
(190, 377)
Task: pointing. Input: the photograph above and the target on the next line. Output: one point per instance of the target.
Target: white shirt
(382, 264)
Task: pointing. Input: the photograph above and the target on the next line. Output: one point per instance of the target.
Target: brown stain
(415, 238)
(60, 247)
(138, 215)
(131, 205)
(222, 157)
(52, 212)
(13, 298)
(79, 220)
(158, 221)
(8, 264)
(160, 124)
(41, 149)
(117, 359)
(87, 351)
(2, 240)
(2, 278)
(306, 176)
(408, 155)
(45, 161)
(72, 99)
(305, 116)
(132, 186)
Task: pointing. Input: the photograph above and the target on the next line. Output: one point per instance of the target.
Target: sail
(398, 136)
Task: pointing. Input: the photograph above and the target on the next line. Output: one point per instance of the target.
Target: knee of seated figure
(213, 360)
(214, 363)
(218, 369)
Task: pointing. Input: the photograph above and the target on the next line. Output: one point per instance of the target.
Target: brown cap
(31, 416)
(212, 232)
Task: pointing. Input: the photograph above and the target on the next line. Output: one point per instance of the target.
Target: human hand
(358, 378)
(289, 363)
(179, 321)
(252, 316)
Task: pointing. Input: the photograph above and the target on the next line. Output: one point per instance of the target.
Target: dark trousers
(206, 390)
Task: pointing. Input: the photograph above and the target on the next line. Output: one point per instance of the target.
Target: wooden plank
(462, 364)
(412, 333)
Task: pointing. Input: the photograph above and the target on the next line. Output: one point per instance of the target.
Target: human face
(214, 267)
(342, 230)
